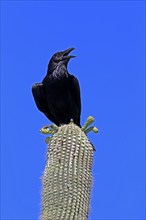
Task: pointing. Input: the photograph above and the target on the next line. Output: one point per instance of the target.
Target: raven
(58, 95)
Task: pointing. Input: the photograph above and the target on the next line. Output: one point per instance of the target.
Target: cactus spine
(68, 175)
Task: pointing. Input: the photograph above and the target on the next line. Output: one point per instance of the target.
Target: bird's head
(60, 58)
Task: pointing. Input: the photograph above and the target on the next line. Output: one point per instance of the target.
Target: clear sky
(109, 40)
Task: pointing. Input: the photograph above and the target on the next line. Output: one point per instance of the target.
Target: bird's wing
(74, 84)
(39, 97)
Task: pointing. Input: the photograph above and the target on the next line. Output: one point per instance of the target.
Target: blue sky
(109, 38)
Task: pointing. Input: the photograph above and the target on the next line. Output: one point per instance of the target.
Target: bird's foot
(86, 127)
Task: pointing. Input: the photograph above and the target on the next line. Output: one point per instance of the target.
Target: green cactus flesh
(68, 175)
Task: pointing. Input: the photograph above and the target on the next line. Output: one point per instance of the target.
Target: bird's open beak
(66, 52)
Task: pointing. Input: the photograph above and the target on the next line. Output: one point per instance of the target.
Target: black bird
(58, 96)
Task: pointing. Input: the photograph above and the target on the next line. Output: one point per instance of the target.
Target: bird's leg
(49, 129)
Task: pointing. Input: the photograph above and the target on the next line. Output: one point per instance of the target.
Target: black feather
(58, 96)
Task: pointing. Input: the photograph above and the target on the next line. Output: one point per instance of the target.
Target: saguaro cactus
(68, 173)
